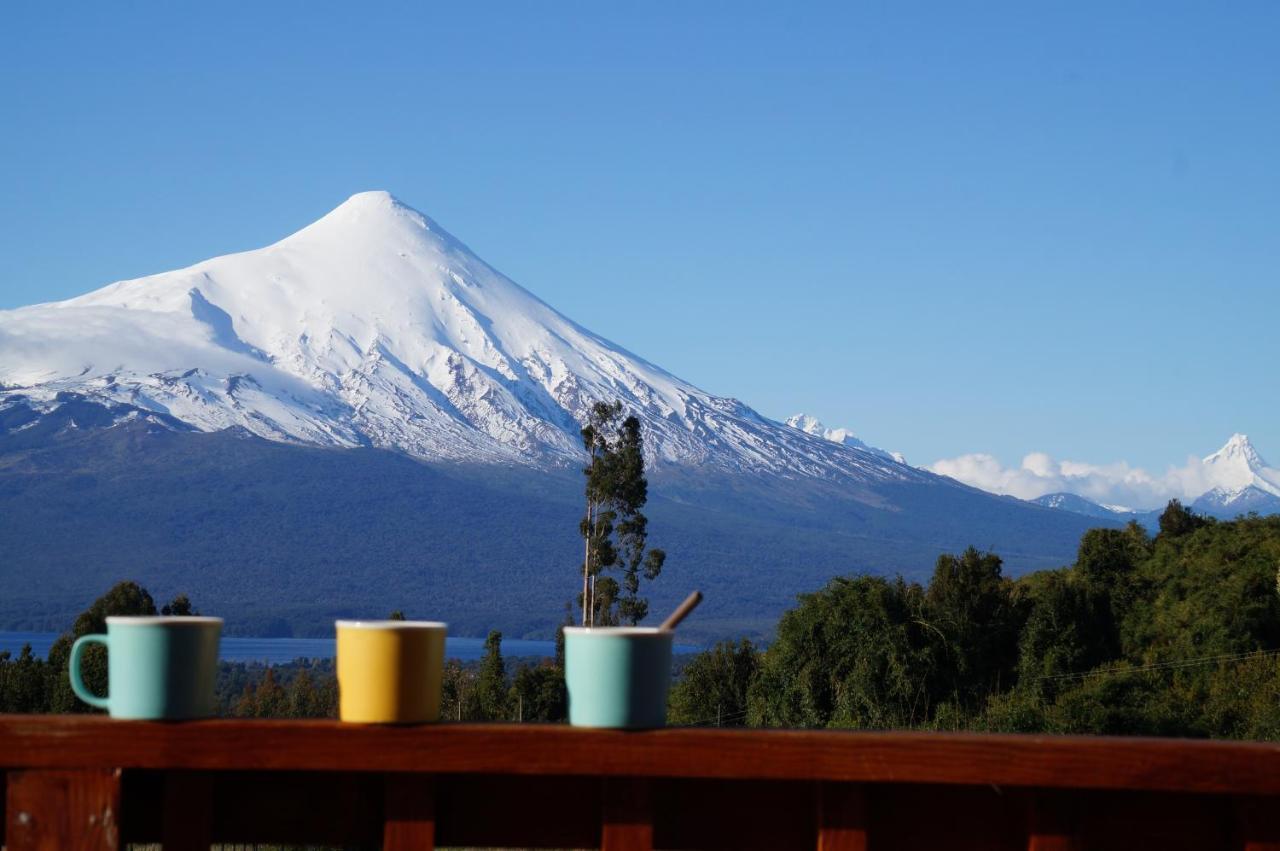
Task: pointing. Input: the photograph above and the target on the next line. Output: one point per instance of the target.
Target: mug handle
(77, 683)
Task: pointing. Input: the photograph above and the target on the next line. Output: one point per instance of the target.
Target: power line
(722, 719)
(1160, 666)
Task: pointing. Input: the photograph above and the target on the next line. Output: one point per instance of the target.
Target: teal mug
(617, 676)
(157, 667)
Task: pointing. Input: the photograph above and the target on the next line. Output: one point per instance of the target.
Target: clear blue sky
(996, 227)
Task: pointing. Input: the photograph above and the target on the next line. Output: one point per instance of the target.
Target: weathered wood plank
(954, 758)
(63, 810)
(408, 812)
(342, 808)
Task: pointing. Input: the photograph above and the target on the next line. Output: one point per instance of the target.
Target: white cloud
(1110, 484)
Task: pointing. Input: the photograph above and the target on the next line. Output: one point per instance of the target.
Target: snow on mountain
(842, 436)
(374, 326)
(1072, 502)
(1230, 503)
(1237, 467)
(1242, 481)
(1082, 505)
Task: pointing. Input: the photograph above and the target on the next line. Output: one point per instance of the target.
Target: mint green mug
(157, 667)
(617, 676)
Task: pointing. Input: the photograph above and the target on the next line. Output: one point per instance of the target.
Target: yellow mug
(389, 671)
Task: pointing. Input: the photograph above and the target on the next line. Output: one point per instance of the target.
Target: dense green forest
(1176, 633)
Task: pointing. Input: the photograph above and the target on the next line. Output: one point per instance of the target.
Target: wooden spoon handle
(682, 611)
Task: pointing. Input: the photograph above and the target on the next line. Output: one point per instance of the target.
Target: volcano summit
(374, 327)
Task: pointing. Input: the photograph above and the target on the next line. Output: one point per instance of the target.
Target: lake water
(278, 650)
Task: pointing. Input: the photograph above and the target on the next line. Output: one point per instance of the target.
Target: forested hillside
(282, 539)
(1176, 634)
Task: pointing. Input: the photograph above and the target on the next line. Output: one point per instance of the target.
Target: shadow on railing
(92, 783)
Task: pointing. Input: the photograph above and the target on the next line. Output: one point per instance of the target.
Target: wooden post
(60, 810)
(842, 817)
(1051, 822)
(1257, 824)
(187, 823)
(627, 818)
(408, 813)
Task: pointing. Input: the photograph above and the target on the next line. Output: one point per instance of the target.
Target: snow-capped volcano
(374, 326)
(1237, 466)
(1230, 482)
(1241, 480)
(136, 413)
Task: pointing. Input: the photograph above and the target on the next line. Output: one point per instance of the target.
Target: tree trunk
(586, 565)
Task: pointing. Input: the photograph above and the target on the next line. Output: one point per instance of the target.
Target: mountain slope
(283, 538)
(373, 326)
(366, 416)
(1226, 504)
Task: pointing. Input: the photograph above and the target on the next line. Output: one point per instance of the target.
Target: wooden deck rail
(93, 783)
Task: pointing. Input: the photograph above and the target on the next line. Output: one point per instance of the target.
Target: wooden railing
(93, 783)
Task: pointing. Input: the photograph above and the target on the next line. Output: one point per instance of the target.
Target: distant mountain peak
(808, 425)
(1237, 467)
(1223, 502)
(1065, 501)
(843, 436)
(815, 426)
(1232, 481)
(1238, 447)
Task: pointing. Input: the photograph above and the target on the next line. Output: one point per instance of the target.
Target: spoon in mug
(682, 611)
